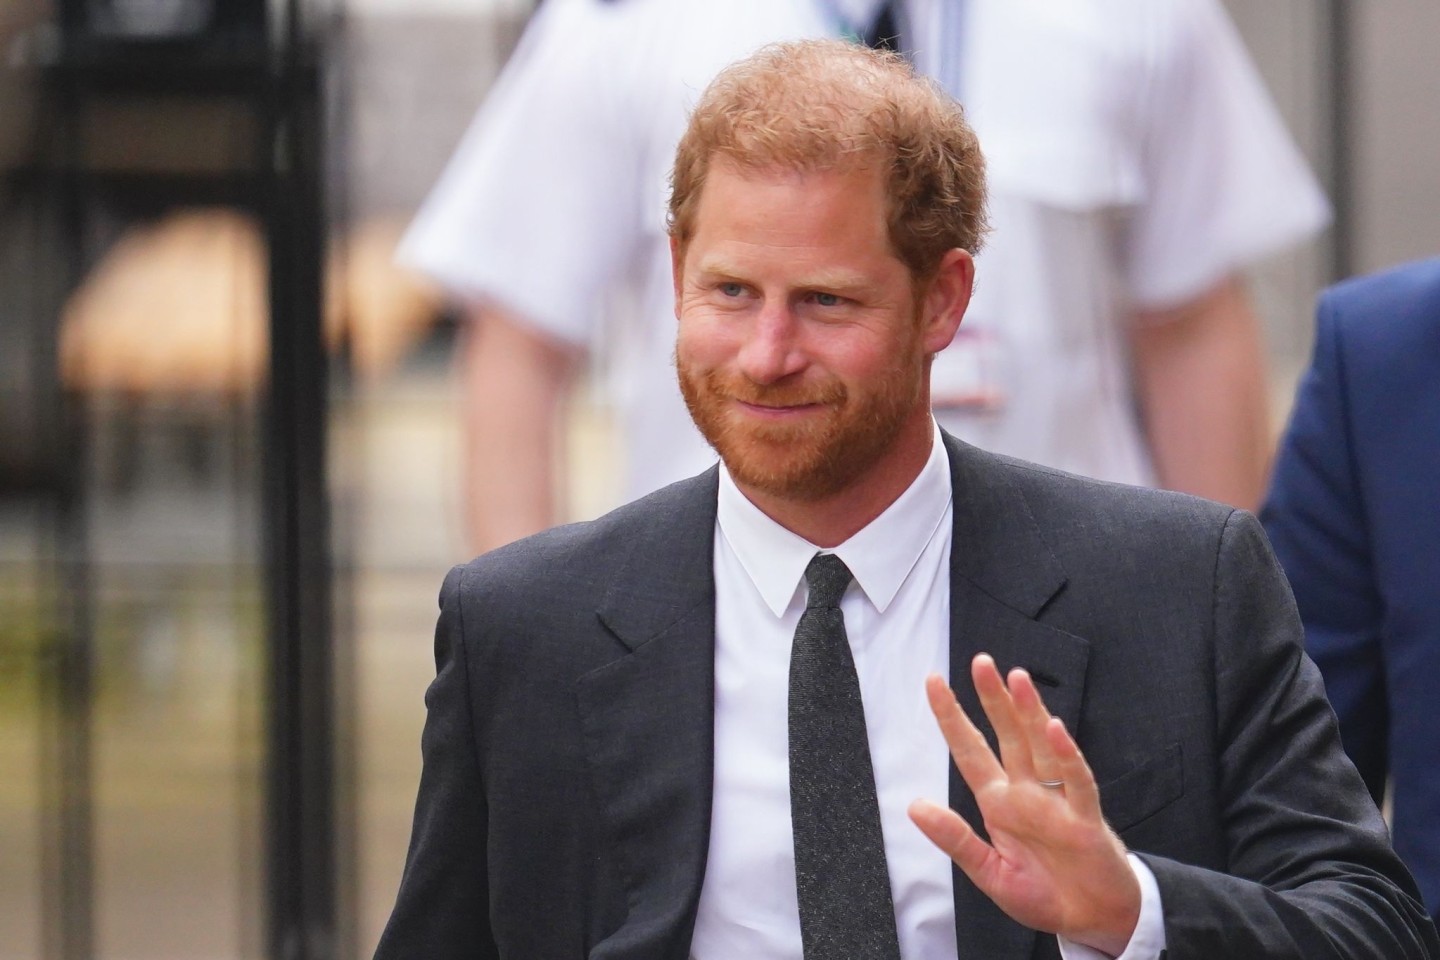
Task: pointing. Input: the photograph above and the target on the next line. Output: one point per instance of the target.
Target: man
(1137, 168)
(1354, 512)
(695, 728)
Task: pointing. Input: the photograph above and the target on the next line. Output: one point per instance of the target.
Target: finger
(999, 706)
(1080, 788)
(1034, 719)
(973, 758)
(949, 831)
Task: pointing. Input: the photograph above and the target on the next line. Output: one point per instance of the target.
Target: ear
(677, 269)
(946, 299)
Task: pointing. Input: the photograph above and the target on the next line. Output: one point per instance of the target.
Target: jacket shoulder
(584, 551)
(1018, 523)
(1400, 305)
(1062, 501)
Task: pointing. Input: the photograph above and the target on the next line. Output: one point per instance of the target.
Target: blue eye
(731, 289)
(827, 299)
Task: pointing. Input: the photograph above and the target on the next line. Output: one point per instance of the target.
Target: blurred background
(229, 467)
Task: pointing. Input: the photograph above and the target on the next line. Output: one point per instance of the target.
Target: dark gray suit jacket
(564, 808)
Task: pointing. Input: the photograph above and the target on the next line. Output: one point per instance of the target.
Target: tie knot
(827, 577)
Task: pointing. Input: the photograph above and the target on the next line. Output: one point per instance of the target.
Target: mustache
(774, 394)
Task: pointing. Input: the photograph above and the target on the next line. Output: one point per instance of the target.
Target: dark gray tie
(840, 875)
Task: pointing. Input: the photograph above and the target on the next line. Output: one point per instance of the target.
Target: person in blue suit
(1354, 516)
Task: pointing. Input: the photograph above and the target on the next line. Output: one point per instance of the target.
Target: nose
(771, 351)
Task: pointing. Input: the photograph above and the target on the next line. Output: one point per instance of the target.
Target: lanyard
(943, 30)
(843, 24)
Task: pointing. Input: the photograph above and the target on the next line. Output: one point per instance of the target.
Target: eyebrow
(847, 282)
(843, 281)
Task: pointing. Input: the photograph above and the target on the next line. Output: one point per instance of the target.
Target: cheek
(864, 361)
(701, 342)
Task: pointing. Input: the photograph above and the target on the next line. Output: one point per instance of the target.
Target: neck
(830, 521)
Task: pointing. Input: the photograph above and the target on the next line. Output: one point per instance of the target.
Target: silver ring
(1052, 784)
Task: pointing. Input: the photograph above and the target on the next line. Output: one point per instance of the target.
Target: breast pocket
(1143, 791)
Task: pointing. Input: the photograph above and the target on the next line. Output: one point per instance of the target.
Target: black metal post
(301, 798)
(68, 930)
(303, 904)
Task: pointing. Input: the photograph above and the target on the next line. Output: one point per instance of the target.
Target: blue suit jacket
(1354, 516)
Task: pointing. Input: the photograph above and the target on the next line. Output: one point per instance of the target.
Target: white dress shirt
(897, 619)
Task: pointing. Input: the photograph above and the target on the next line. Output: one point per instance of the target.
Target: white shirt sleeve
(537, 208)
(1224, 183)
(1148, 940)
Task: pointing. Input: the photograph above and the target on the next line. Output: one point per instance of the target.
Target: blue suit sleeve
(1316, 521)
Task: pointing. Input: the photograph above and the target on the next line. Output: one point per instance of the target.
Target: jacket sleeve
(443, 908)
(1316, 521)
(1310, 872)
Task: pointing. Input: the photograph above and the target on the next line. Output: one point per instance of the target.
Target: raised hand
(1052, 863)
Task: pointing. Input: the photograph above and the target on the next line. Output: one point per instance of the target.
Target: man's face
(801, 354)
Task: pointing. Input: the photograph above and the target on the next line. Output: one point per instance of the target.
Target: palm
(1051, 862)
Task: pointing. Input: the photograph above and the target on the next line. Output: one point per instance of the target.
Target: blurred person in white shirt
(1137, 166)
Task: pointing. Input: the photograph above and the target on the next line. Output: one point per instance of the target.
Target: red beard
(815, 456)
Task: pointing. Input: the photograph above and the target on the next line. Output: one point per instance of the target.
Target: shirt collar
(880, 555)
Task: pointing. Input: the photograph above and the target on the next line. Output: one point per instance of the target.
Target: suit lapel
(1003, 574)
(648, 717)
(648, 721)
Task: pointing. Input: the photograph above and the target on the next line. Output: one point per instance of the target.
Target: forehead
(783, 209)
(862, 177)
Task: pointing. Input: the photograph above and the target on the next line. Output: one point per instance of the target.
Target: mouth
(778, 411)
